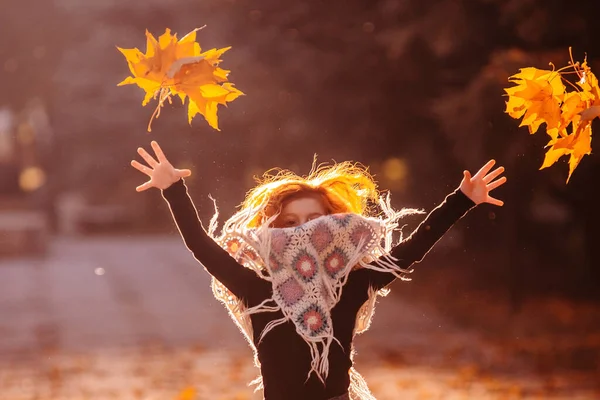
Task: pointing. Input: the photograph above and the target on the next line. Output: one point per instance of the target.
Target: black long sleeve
(242, 282)
(414, 248)
(284, 356)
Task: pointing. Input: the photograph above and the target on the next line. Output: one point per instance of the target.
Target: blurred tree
(420, 80)
(32, 36)
(472, 117)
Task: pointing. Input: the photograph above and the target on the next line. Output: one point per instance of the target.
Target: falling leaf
(172, 67)
(576, 145)
(537, 97)
(540, 97)
(552, 156)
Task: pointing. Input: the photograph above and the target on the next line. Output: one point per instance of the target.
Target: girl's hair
(345, 188)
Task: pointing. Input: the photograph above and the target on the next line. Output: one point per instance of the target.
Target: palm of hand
(164, 175)
(479, 186)
(161, 172)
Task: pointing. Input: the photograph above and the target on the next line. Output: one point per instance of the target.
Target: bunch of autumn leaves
(540, 96)
(172, 67)
(178, 67)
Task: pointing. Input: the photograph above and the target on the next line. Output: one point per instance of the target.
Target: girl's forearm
(242, 282)
(414, 248)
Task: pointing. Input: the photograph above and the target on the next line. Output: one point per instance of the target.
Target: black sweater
(284, 356)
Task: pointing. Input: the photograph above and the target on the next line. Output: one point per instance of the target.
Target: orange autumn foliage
(189, 393)
(541, 97)
(179, 67)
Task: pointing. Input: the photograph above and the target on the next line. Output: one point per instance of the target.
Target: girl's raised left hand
(479, 186)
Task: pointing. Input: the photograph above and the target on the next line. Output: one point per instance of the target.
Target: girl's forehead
(304, 202)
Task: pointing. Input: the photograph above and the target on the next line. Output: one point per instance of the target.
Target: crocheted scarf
(308, 266)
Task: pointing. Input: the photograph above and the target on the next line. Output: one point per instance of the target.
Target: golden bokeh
(395, 169)
(31, 178)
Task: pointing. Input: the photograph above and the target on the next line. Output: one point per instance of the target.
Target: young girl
(300, 265)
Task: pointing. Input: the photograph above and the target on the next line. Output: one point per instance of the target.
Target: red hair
(343, 187)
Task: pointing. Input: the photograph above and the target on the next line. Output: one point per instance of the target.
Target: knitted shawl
(308, 266)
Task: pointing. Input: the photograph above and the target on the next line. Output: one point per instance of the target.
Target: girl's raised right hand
(162, 174)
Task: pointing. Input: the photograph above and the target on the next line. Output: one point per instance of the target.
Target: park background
(99, 299)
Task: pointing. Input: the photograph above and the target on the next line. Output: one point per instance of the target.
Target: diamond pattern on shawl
(306, 281)
(321, 237)
(305, 266)
(362, 232)
(279, 240)
(342, 219)
(290, 291)
(232, 246)
(335, 262)
(313, 320)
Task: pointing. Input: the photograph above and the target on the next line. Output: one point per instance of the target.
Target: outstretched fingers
(496, 183)
(484, 170)
(142, 168)
(158, 151)
(493, 175)
(183, 173)
(494, 201)
(144, 186)
(147, 157)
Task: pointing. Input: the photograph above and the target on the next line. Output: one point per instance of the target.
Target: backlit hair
(345, 188)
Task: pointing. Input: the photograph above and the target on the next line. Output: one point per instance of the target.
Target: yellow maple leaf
(178, 67)
(576, 145)
(204, 101)
(590, 93)
(536, 97)
(539, 96)
(588, 81)
(573, 105)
